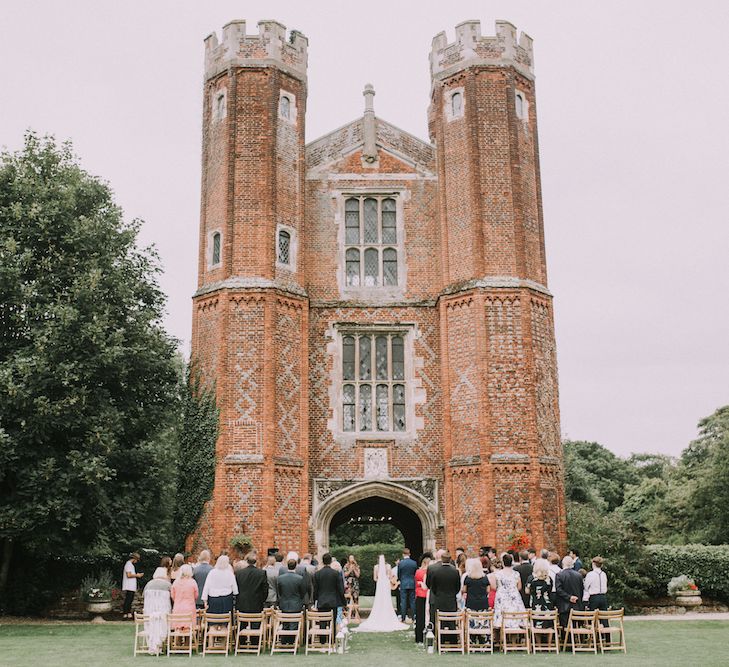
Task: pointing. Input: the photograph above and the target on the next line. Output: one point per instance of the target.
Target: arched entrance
(383, 510)
(412, 513)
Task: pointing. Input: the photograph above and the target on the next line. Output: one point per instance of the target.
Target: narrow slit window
(216, 249)
(285, 107)
(456, 105)
(284, 247)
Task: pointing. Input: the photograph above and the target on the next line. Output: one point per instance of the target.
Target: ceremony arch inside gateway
(412, 513)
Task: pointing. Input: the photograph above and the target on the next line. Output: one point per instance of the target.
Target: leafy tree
(704, 470)
(349, 534)
(608, 534)
(594, 475)
(88, 377)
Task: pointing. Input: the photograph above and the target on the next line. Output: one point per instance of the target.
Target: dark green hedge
(36, 583)
(708, 566)
(367, 556)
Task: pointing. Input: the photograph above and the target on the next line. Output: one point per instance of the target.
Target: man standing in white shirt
(596, 586)
(129, 583)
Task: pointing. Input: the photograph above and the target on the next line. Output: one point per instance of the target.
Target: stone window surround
(383, 293)
(524, 116)
(448, 103)
(414, 391)
(216, 113)
(209, 251)
(292, 106)
(293, 247)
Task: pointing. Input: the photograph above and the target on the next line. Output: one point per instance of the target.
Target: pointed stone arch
(326, 508)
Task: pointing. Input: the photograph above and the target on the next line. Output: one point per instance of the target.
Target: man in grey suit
(569, 587)
(200, 574)
(290, 590)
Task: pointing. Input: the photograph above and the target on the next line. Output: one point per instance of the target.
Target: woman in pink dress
(184, 594)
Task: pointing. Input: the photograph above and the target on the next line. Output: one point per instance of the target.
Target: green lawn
(693, 643)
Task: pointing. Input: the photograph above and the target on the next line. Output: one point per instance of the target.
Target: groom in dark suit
(444, 582)
(406, 575)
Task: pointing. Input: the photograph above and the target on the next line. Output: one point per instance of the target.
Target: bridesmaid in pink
(184, 594)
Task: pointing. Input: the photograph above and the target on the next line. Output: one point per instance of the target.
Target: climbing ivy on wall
(196, 454)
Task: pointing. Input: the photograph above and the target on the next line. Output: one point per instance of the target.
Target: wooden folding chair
(199, 629)
(286, 627)
(216, 634)
(549, 629)
(606, 632)
(181, 633)
(450, 624)
(319, 632)
(581, 632)
(249, 632)
(515, 624)
(140, 634)
(479, 631)
(268, 614)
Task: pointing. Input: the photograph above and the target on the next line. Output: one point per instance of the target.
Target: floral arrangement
(97, 587)
(680, 584)
(518, 541)
(241, 542)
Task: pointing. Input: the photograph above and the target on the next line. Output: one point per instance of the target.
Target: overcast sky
(633, 111)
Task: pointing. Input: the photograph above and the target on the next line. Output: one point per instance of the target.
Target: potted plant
(96, 592)
(685, 591)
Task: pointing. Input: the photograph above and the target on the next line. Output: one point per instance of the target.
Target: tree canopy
(89, 379)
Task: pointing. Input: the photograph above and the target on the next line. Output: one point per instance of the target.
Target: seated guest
(252, 587)
(569, 588)
(200, 574)
(184, 594)
(157, 606)
(220, 587)
(541, 597)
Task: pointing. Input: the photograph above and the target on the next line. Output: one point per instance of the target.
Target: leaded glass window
(284, 247)
(216, 249)
(370, 226)
(374, 388)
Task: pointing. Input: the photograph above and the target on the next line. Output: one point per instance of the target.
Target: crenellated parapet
(472, 48)
(269, 47)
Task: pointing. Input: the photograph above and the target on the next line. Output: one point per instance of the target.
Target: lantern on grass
(430, 639)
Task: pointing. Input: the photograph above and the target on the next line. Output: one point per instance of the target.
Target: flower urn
(98, 607)
(688, 598)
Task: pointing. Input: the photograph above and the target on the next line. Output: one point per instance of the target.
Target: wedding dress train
(382, 618)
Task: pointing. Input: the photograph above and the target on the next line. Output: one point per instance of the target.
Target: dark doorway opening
(361, 519)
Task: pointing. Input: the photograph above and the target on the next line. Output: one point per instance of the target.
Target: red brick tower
(502, 436)
(373, 308)
(249, 337)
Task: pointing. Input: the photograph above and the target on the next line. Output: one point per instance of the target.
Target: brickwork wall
(508, 376)
(483, 374)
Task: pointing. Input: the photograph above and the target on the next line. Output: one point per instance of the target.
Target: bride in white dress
(382, 618)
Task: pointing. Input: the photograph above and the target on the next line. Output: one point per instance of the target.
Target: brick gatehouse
(373, 308)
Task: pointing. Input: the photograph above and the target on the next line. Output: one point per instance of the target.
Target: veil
(382, 618)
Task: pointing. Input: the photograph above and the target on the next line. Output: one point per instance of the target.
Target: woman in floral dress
(508, 586)
(351, 577)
